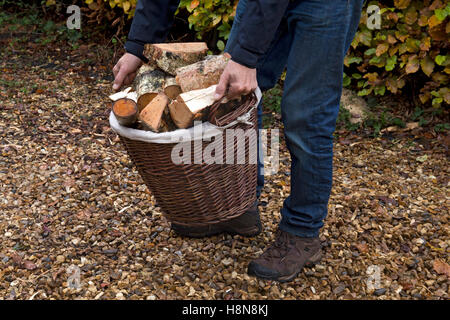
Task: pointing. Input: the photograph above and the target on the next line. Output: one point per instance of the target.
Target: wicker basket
(199, 194)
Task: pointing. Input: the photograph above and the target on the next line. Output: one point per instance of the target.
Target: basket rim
(208, 130)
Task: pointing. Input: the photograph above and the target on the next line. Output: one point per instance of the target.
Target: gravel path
(71, 196)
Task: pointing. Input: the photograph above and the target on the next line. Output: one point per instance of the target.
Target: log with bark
(148, 83)
(171, 88)
(126, 111)
(170, 56)
(155, 116)
(202, 74)
(192, 105)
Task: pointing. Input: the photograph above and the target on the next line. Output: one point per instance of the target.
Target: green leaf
(441, 14)
(370, 51)
(220, 45)
(437, 102)
(380, 90)
(377, 61)
(364, 92)
(346, 81)
(390, 63)
(351, 60)
(440, 59)
(412, 45)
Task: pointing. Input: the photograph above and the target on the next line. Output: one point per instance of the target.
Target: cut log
(121, 94)
(171, 88)
(154, 116)
(191, 105)
(170, 56)
(126, 111)
(148, 83)
(202, 74)
(167, 123)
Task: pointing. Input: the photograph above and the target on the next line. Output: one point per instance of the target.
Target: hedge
(407, 52)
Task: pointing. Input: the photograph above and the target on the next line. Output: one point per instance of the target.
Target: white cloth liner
(207, 131)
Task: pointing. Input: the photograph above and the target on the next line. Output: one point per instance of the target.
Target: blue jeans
(311, 43)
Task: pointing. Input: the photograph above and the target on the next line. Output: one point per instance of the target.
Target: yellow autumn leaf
(391, 39)
(52, 2)
(381, 48)
(423, 21)
(126, 6)
(402, 4)
(425, 44)
(371, 77)
(216, 20)
(411, 16)
(427, 65)
(424, 97)
(413, 64)
(433, 21)
(393, 50)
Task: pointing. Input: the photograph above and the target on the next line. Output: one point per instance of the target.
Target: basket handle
(246, 104)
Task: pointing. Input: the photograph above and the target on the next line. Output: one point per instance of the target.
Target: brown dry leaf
(362, 247)
(17, 259)
(412, 125)
(29, 265)
(75, 131)
(69, 182)
(84, 214)
(441, 267)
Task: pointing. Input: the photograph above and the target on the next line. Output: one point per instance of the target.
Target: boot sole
(309, 263)
(213, 232)
(209, 231)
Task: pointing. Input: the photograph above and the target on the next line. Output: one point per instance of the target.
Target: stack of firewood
(173, 89)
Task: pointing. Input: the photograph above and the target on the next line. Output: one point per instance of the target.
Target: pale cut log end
(171, 88)
(151, 116)
(145, 99)
(148, 83)
(172, 91)
(181, 115)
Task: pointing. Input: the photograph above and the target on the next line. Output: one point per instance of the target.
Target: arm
(256, 31)
(151, 22)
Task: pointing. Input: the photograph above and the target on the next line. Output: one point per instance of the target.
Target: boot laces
(280, 247)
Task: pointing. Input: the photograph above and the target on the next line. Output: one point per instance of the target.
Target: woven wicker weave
(199, 194)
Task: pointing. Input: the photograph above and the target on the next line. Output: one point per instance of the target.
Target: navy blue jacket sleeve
(151, 23)
(256, 30)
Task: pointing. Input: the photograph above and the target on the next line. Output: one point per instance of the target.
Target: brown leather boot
(247, 225)
(286, 257)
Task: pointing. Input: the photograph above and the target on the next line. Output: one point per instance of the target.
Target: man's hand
(125, 70)
(239, 80)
